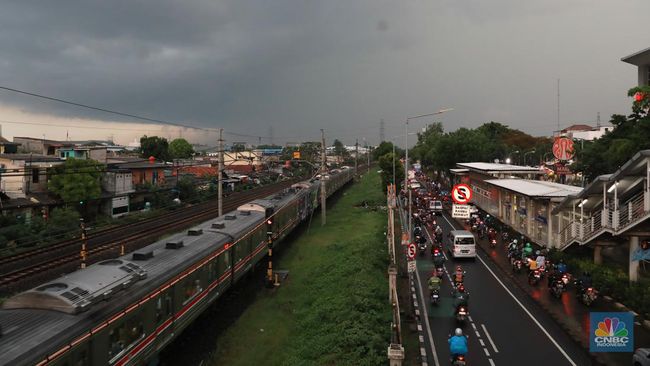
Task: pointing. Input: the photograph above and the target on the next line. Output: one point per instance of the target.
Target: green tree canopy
(630, 135)
(180, 149)
(77, 180)
(340, 150)
(155, 146)
(386, 164)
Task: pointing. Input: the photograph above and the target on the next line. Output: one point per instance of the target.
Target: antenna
(558, 105)
(598, 120)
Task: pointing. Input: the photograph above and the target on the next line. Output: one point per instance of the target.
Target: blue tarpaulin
(641, 255)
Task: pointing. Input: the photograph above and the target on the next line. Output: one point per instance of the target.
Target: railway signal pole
(323, 170)
(220, 172)
(84, 240)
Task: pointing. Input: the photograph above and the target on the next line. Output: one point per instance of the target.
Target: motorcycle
(589, 296)
(517, 265)
(435, 297)
(534, 277)
(423, 248)
(493, 243)
(440, 272)
(461, 313)
(558, 288)
(459, 360)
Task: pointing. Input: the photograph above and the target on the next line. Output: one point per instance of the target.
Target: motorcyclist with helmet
(527, 252)
(584, 282)
(460, 296)
(459, 275)
(458, 344)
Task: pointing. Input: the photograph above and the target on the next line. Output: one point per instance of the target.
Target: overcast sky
(295, 67)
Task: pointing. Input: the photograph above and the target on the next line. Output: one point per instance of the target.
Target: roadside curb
(576, 335)
(418, 322)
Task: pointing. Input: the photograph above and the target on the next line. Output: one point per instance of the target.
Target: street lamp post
(530, 152)
(406, 162)
(511, 160)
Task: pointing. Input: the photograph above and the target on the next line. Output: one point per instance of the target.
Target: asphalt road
(505, 326)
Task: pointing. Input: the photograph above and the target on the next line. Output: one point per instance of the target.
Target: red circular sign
(563, 148)
(461, 194)
(410, 252)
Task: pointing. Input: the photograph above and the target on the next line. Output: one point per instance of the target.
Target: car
(436, 207)
(461, 244)
(641, 357)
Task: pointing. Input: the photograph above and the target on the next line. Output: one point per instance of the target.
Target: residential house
(117, 184)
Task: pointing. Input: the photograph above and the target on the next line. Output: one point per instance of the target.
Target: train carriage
(123, 311)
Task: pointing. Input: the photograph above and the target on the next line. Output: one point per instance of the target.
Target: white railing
(632, 211)
(592, 225)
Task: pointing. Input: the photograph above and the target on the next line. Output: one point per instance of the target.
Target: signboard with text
(460, 211)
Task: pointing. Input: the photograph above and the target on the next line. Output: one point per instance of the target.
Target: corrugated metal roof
(535, 188)
(494, 167)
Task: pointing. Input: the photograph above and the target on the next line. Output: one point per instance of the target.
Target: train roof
(77, 291)
(30, 334)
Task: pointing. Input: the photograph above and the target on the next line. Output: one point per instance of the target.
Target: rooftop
(30, 157)
(490, 168)
(535, 188)
(637, 58)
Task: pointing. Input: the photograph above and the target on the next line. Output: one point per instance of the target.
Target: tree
(77, 180)
(155, 146)
(340, 150)
(630, 135)
(180, 149)
(386, 165)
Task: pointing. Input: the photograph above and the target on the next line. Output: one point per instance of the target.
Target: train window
(226, 258)
(191, 288)
(159, 310)
(168, 304)
(123, 337)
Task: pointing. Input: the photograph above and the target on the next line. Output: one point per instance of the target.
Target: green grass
(333, 308)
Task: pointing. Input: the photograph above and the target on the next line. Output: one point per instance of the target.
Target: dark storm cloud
(340, 65)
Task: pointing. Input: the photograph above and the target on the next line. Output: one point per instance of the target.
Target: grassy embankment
(333, 309)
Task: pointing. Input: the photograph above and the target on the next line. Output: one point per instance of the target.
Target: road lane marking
(522, 306)
(426, 320)
(491, 362)
(487, 353)
(489, 338)
(481, 342)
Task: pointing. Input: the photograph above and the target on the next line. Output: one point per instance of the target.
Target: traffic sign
(411, 267)
(410, 251)
(461, 194)
(460, 211)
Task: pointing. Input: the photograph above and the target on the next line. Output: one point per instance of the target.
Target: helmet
(458, 332)
(527, 245)
(537, 252)
(459, 268)
(585, 273)
(515, 241)
(461, 288)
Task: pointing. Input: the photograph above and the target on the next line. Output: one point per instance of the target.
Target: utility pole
(558, 106)
(382, 136)
(323, 170)
(220, 172)
(368, 150)
(356, 157)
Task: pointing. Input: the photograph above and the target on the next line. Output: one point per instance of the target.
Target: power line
(96, 108)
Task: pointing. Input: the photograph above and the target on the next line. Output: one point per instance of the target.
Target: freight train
(123, 311)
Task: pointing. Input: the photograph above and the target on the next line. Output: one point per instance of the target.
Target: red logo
(563, 148)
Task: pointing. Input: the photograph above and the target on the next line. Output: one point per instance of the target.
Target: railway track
(29, 268)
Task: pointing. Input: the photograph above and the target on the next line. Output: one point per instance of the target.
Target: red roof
(199, 171)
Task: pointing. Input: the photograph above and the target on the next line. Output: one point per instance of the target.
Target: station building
(516, 196)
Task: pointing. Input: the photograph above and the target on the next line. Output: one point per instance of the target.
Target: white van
(436, 207)
(462, 244)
